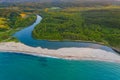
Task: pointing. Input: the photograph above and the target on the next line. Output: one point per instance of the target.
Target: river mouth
(19, 66)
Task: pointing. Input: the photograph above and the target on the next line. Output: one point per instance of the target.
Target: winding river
(27, 67)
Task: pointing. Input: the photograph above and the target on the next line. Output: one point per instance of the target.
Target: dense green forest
(96, 25)
(13, 20)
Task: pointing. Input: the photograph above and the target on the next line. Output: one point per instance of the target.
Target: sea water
(26, 67)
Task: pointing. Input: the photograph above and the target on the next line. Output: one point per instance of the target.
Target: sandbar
(72, 53)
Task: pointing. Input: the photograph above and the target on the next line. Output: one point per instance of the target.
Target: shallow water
(26, 67)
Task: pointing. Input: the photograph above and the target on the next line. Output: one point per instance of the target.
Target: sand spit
(65, 53)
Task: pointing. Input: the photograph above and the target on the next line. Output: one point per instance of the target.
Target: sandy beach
(65, 53)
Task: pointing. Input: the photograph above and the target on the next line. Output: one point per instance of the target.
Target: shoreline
(94, 42)
(42, 55)
(63, 53)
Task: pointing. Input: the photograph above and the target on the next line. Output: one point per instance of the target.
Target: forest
(13, 20)
(95, 25)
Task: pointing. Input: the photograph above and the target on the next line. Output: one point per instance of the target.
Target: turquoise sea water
(26, 67)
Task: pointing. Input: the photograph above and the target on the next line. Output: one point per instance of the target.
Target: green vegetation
(97, 25)
(3, 24)
(12, 21)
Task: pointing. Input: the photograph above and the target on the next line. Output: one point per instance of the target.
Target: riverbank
(65, 53)
(20, 23)
(116, 50)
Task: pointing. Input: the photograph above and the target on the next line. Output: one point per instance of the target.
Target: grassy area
(97, 25)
